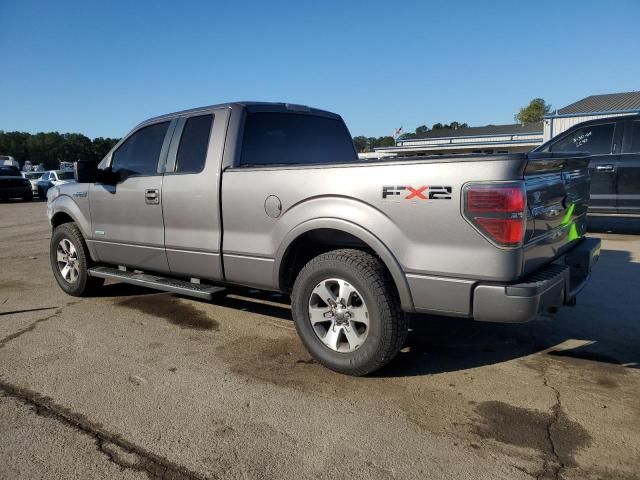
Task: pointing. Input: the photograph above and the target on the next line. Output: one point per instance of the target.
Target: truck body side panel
(191, 210)
(425, 233)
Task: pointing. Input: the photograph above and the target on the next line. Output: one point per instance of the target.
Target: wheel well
(311, 244)
(60, 218)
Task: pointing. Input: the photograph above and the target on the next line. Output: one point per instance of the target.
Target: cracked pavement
(139, 384)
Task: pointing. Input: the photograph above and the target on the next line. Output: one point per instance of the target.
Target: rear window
(594, 139)
(66, 175)
(289, 139)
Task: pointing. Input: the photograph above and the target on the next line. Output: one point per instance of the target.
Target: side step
(199, 290)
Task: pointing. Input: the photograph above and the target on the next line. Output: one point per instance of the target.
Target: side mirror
(86, 171)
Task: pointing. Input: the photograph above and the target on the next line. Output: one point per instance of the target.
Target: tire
(27, 197)
(373, 298)
(67, 240)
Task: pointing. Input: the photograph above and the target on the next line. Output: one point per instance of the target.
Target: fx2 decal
(423, 192)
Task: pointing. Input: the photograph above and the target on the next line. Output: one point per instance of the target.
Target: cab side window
(139, 154)
(194, 143)
(595, 139)
(635, 138)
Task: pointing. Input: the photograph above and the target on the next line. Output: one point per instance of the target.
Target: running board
(199, 290)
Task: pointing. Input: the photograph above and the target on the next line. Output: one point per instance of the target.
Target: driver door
(126, 217)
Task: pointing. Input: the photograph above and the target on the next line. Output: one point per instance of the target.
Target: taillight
(497, 211)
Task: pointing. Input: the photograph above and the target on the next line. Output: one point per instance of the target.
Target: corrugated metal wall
(555, 126)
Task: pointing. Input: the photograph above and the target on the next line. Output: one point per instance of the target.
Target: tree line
(533, 112)
(51, 148)
(368, 144)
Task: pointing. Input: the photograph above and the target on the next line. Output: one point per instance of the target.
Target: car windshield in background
(6, 171)
(288, 138)
(33, 175)
(66, 175)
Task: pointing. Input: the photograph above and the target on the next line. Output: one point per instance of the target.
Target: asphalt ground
(140, 384)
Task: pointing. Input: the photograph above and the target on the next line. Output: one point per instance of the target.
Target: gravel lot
(139, 384)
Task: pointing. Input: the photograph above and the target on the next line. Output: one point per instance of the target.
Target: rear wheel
(27, 197)
(347, 312)
(70, 261)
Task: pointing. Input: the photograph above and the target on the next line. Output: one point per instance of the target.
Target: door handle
(152, 196)
(604, 168)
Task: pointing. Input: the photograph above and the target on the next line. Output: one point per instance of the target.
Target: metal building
(591, 108)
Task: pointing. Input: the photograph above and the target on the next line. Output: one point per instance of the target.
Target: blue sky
(99, 67)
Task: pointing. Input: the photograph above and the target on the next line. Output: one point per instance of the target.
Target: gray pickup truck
(273, 196)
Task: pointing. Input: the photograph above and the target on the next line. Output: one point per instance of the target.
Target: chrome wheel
(338, 315)
(67, 258)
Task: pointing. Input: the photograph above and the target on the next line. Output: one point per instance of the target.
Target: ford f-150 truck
(273, 196)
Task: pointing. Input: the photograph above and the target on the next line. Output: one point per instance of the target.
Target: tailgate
(557, 187)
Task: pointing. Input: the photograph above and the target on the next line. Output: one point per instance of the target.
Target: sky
(100, 67)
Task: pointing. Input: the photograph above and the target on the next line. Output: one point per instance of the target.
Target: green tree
(534, 112)
(361, 143)
(422, 129)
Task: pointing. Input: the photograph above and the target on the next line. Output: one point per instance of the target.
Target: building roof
(487, 130)
(611, 102)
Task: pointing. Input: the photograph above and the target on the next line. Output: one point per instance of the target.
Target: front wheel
(347, 312)
(70, 261)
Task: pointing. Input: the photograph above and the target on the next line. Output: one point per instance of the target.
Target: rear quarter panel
(427, 237)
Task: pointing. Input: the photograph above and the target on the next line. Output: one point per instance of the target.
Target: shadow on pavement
(607, 317)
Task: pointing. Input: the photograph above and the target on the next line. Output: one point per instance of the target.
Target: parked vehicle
(9, 161)
(614, 146)
(33, 178)
(12, 185)
(273, 196)
(53, 178)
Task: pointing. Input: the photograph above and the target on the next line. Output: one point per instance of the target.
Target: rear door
(126, 218)
(629, 170)
(191, 195)
(601, 140)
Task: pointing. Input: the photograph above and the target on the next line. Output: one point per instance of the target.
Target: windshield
(6, 171)
(66, 175)
(34, 175)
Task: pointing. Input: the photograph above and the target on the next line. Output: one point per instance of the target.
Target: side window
(635, 138)
(595, 139)
(139, 154)
(194, 142)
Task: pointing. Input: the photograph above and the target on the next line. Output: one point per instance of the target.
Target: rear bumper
(554, 285)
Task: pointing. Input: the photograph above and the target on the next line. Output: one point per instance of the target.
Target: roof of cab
(250, 105)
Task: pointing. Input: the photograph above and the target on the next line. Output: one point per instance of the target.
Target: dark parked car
(614, 145)
(51, 178)
(12, 185)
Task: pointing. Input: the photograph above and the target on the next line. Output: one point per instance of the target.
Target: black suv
(12, 184)
(614, 144)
